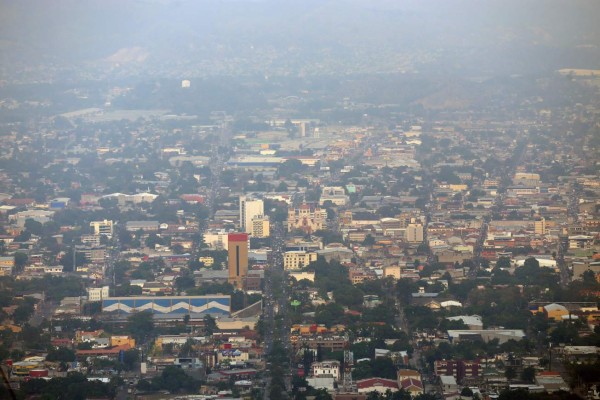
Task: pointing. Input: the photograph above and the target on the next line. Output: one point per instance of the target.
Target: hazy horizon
(237, 37)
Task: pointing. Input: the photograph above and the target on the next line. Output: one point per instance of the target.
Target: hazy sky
(501, 32)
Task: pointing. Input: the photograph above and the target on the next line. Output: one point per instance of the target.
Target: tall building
(260, 227)
(302, 129)
(414, 233)
(249, 208)
(238, 258)
(540, 226)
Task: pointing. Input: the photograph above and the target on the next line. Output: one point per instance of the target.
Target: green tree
(34, 227)
(510, 373)
(322, 394)
(290, 167)
(20, 261)
(369, 240)
(130, 359)
(282, 187)
(503, 262)
(174, 379)
(528, 374)
(210, 325)
(400, 395)
(153, 239)
(141, 326)
(384, 367)
(24, 311)
(532, 263)
(61, 354)
(362, 370)
(185, 282)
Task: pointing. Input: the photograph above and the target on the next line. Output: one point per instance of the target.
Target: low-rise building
(6, 265)
(551, 381)
(97, 294)
(555, 311)
(326, 368)
(379, 385)
(459, 369)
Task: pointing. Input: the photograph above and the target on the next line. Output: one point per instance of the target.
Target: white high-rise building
(249, 209)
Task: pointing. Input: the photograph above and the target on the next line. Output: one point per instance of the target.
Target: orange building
(237, 258)
(122, 341)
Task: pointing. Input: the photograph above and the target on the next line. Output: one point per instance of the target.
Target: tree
(528, 374)
(141, 325)
(510, 373)
(362, 370)
(532, 263)
(384, 367)
(24, 311)
(174, 379)
(369, 240)
(185, 282)
(61, 354)
(289, 167)
(187, 348)
(20, 261)
(373, 396)
(322, 394)
(67, 260)
(466, 391)
(589, 277)
(503, 262)
(153, 239)
(282, 187)
(519, 394)
(210, 325)
(130, 359)
(400, 395)
(34, 227)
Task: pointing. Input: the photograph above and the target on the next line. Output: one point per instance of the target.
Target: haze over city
(283, 199)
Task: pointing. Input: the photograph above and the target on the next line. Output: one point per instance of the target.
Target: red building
(459, 369)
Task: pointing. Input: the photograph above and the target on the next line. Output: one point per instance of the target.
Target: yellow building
(260, 227)
(540, 226)
(6, 265)
(298, 259)
(12, 328)
(393, 270)
(121, 341)
(555, 311)
(207, 261)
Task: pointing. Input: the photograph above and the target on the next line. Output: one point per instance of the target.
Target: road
(276, 294)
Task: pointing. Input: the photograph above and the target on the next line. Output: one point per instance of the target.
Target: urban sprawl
(352, 251)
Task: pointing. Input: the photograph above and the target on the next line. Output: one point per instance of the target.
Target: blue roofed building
(169, 306)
